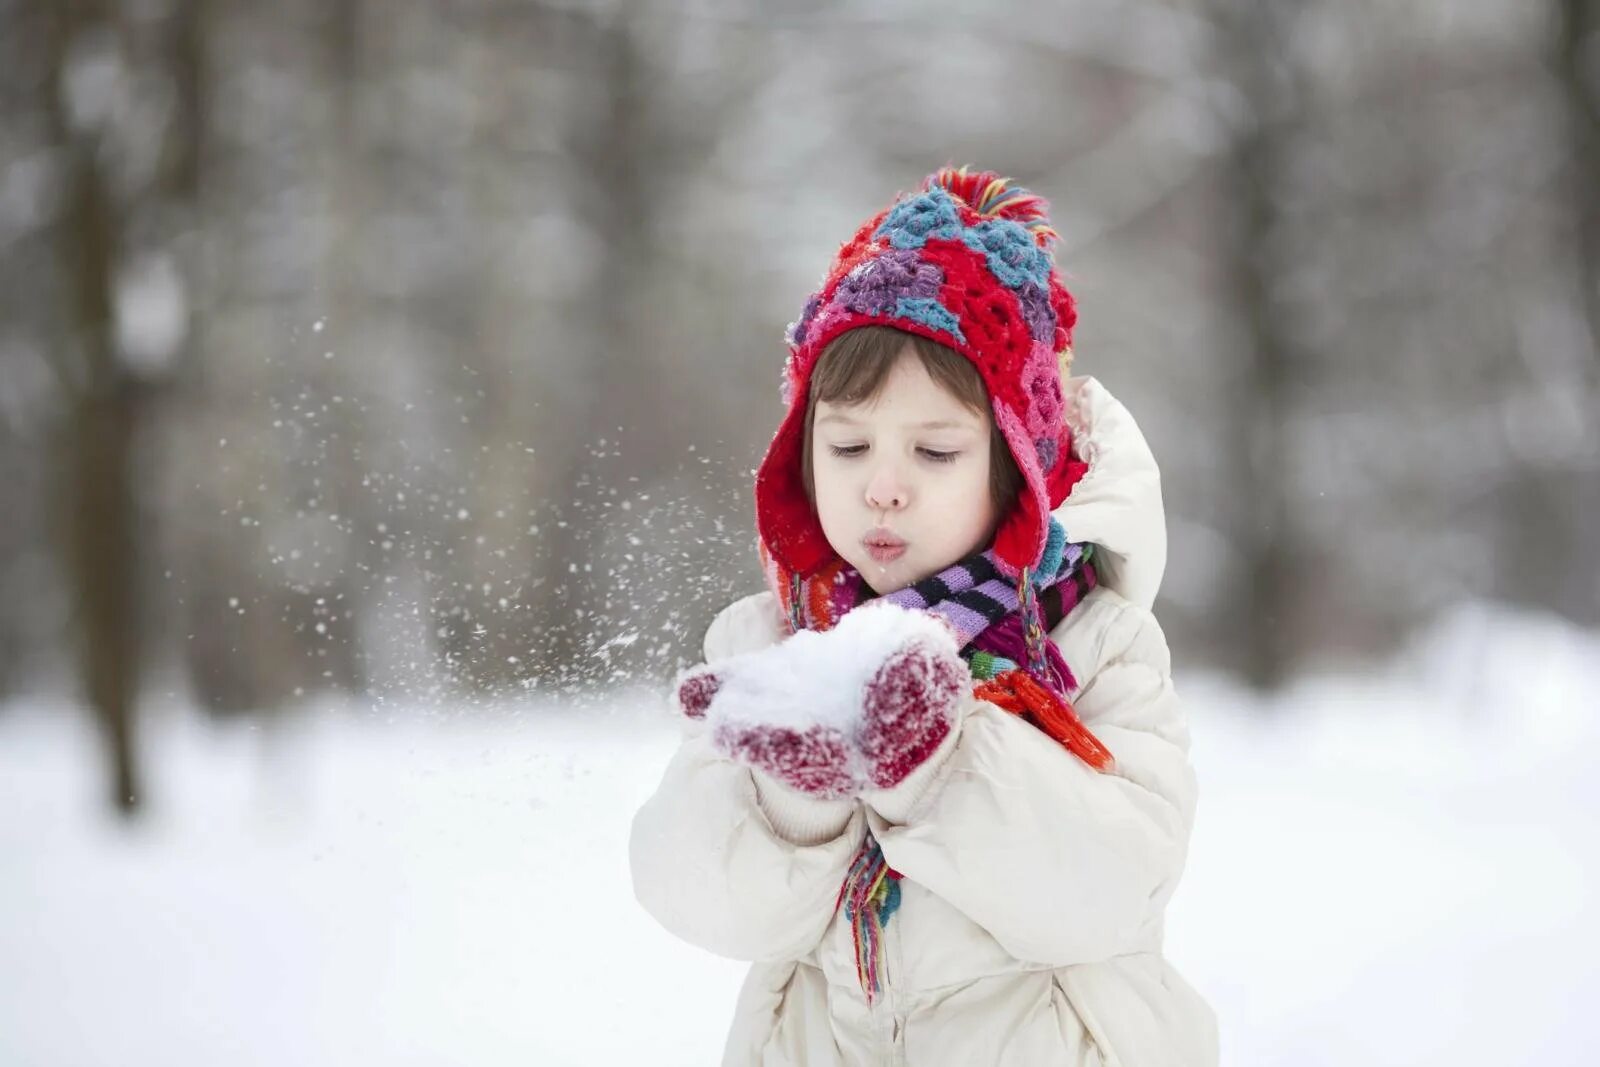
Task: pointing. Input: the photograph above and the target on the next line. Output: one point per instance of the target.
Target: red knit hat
(966, 262)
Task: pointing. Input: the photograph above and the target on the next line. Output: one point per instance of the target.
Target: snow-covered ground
(1391, 867)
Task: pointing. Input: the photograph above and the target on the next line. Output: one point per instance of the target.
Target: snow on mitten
(759, 713)
(832, 712)
(914, 691)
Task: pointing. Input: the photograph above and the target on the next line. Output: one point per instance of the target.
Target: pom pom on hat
(993, 196)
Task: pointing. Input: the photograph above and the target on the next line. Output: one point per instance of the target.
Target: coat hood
(1117, 504)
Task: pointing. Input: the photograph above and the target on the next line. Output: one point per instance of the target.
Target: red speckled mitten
(909, 705)
(773, 735)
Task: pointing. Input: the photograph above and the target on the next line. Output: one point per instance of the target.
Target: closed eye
(849, 451)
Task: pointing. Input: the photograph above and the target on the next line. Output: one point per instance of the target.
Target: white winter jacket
(1030, 925)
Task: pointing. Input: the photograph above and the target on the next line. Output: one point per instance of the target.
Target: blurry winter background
(380, 384)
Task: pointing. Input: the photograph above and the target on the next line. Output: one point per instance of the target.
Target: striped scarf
(1001, 628)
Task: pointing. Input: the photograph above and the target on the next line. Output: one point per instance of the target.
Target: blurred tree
(1265, 108)
(30, 387)
(1575, 498)
(130, 182)
(1578, 68)
(98, 429)
(641, 139)
(269, 461)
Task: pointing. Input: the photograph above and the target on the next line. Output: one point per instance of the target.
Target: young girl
(935, 783)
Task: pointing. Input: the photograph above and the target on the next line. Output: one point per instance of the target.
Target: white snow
(1389, 867)
(817, 677)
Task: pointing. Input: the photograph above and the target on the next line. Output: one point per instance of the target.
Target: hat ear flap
(785, 519)
(1020, 539)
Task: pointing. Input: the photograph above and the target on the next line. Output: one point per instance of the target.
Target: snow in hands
(832, 712)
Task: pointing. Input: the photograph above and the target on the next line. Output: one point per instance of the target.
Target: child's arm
(727, 856)
(1061, 863)
(729, 859)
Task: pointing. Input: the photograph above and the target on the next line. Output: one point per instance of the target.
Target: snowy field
(1392, 867)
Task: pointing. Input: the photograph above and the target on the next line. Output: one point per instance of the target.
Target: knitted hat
(965, 261)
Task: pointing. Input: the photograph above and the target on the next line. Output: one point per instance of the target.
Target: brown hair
(853, 369)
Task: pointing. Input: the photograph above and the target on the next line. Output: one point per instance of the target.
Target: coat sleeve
(1060, 863)
(732, 860)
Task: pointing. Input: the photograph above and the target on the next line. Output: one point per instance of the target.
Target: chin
(882, 581)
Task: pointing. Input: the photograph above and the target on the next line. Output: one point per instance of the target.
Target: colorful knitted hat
(966, 262)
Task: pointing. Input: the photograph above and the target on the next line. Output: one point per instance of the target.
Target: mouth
(883, 546)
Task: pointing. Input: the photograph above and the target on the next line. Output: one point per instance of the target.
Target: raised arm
(1061, 863)
(737, 863)
(727, 856)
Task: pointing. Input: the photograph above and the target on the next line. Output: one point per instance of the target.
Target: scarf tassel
(1019, 693)
(870, 895)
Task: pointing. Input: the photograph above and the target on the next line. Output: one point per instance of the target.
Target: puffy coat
(1029, 930)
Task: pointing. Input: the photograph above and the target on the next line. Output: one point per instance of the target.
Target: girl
(935, 783)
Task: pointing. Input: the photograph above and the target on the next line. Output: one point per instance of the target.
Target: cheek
(975, 476)
(975, 490)
(828, 484)
(959, 493)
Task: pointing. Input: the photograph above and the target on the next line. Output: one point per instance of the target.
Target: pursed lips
(883, 545)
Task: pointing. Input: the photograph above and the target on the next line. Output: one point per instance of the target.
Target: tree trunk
(1258, 406)
(95, 497)
(1573, 500)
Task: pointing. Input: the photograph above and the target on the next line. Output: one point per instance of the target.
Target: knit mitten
(832, 712)
(760, 725)
(909, 707)
(912, 698)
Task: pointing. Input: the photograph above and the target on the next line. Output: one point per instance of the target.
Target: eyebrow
(931, 424)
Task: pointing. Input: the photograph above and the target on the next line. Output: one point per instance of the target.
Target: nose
(885, 489)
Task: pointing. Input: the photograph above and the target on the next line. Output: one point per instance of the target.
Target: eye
(932, 455)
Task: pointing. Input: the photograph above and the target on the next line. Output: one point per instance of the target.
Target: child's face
(926, 485)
